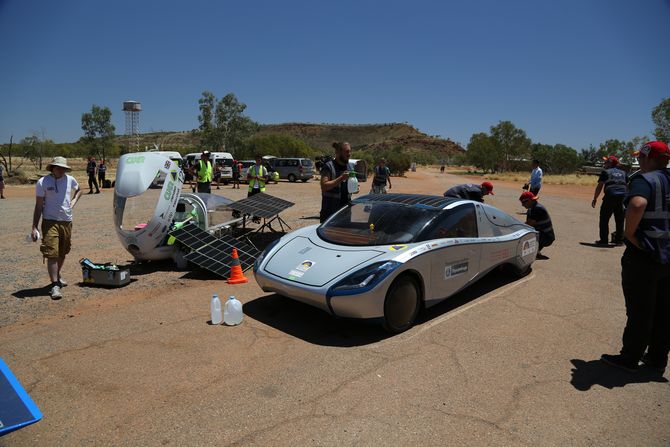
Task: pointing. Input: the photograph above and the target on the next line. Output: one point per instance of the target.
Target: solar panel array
(212, 253)
(261, 205)
(409, 199)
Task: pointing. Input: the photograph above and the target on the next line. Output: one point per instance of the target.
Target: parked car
(387, 256)
(292, 169)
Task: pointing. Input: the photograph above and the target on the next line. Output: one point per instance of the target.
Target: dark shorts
(56, 237)
(204, 187)
(535, 189)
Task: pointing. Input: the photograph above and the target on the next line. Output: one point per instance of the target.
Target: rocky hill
(321, 136)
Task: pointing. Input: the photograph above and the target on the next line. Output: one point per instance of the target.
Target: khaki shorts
(56, 237)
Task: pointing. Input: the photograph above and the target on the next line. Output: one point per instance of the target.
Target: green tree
(510, 143)
(661, 117)
(223, 124)
(98, 129)
(481, 153)
(558, 159)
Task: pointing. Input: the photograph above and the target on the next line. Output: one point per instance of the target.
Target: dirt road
(503, 363)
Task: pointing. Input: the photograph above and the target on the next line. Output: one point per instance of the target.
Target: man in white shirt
(55, 196)
(535, 181)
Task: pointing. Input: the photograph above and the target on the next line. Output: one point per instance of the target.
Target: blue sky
(570, 72)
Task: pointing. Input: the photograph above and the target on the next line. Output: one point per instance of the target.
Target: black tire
(517, 272)
(303, 180)
(225, 182)
(292, 178)
(402, 304)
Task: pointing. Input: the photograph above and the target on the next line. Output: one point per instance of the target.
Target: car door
(455, 265)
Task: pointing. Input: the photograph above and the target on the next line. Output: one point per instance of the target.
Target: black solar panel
(212, 253)
(261, 205)
(409, 199)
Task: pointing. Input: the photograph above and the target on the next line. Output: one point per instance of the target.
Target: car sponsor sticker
(299, 270)
(529, 247)
(398, 247)
(456, 268)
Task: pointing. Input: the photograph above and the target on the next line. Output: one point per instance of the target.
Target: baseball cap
(527, 196)
(612, 159)
(489, 187)
(654, 149)
(205, 153)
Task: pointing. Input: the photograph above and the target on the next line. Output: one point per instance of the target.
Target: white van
(223, 159)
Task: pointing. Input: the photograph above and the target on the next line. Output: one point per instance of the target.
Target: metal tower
(132, 110)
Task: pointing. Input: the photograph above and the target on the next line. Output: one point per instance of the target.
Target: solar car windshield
(376, 223)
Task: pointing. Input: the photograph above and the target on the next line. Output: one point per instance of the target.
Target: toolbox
(108, 274)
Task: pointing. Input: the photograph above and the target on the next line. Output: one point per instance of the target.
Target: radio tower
(132, 110)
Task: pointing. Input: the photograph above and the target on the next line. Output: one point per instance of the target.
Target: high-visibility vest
(204, 172)
(261, 181)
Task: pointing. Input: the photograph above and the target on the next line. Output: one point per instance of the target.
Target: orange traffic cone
(236, 274)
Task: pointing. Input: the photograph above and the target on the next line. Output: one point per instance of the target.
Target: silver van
(292, 169)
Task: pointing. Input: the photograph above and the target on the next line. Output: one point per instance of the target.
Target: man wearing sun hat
(56, 195)
(645, 264)
(613, 180)
(470, 191)
(537, 217)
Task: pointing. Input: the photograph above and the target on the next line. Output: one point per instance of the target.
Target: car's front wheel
(292, 178)
(402, 304)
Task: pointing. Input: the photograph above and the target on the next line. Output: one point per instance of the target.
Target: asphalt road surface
(506, 362)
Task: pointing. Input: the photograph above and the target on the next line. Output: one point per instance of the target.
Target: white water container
(232, 311)
(29, 238)
(352, 183)
(215, 308)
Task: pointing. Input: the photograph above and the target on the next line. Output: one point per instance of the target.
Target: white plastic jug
(232, 311)
(352, 183)
(215, 307)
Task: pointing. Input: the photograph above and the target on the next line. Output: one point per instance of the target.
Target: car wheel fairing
(402, 304)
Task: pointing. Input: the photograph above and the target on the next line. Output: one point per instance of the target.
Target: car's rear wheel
(303, 180)
(292, 178)
(402, 304)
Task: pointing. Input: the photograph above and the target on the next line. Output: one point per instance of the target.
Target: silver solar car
(386, 256)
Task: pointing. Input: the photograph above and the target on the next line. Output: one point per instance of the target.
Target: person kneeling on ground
(538, 218)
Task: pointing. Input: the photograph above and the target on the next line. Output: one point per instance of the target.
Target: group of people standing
(94, 169)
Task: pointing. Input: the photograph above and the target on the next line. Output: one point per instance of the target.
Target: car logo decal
(397, 247)
(529, 247)
(456, 269)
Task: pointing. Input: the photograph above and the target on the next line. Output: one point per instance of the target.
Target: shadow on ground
(318, 327)
(593, 244)
(586, 374)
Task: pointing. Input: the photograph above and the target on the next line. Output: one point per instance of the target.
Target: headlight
(259, 259)
(364, 279)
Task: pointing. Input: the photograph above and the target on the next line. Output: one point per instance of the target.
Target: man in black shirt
(613, 180)
(537, 217)
(90, 170)
(470, 191)
(645, 264)
(334, 175)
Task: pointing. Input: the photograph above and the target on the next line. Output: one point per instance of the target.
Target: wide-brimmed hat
(205, 153)
(58, 161)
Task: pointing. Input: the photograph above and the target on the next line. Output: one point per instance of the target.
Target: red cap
(654, 149)
(489, 187)
(527, 196)
(612, 160)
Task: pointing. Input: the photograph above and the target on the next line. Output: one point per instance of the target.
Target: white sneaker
(62, 282)
(55, 293)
